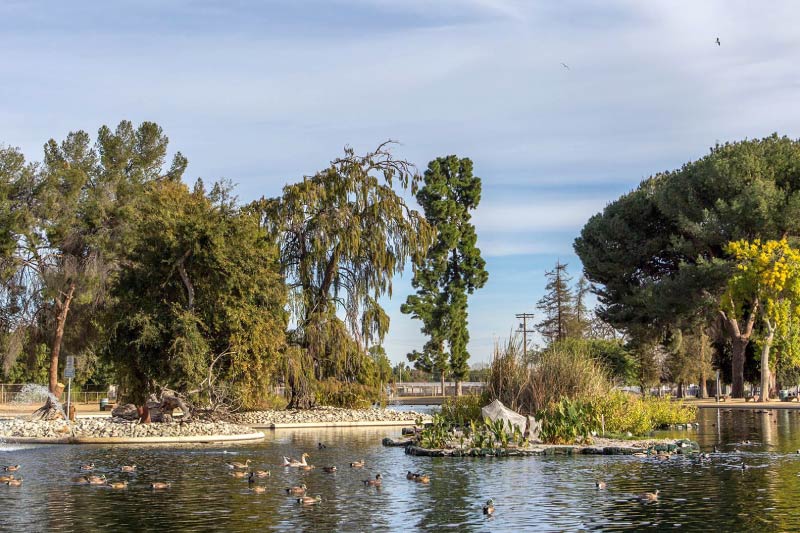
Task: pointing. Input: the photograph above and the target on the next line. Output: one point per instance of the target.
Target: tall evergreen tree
(557, 305)
(452, 268)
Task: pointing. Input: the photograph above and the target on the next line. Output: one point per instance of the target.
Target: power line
(524, 329)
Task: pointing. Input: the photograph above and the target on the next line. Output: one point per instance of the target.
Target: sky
(265, 92)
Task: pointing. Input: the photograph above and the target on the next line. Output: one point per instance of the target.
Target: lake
(530, 494)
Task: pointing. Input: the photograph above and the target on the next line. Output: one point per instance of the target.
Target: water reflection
(547, 493)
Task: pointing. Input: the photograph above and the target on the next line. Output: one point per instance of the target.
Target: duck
(258, 489)
(411, 475)
(716, 450)
(329, 469)
(12, 468)
(289, 461)
(422, 478)
(374, 482)
(297, 490)
(87, 467)
(6, 479)
(488, 508)
(744, 466)
(240, 474)
(262, 473)
(649, 496)
(160, 485)
(240, 466)
(118, 485)
(307, 467)
(357, 464)
(128, 468)
(308, 500)
(14, 482)
(96, 480)
(321, 446)
(600, 484)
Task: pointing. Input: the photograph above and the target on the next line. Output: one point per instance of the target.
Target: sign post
(69, 373)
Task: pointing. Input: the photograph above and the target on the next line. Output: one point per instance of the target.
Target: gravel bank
(105, 428)
(325, 416)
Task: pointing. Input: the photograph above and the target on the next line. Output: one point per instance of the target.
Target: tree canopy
(343, 234)
(657, 254)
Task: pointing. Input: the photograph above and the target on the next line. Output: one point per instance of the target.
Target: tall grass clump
(534, 383)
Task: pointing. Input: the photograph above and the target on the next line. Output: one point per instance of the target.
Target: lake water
(535, 493)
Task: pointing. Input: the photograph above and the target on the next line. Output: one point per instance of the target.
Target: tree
(343, 233)
(452, 268)
(582, 319)
(76, 204)
(557, 305)
(199, 301)
(766, 282)
(657, 254)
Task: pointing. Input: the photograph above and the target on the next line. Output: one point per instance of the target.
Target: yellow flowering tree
(766, 282)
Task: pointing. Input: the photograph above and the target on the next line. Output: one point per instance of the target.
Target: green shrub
(436, 433)
(461, 410)
(665, 412)
(569, 421)
(623, 412)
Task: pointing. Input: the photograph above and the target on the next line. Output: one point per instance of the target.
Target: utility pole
(524, 329)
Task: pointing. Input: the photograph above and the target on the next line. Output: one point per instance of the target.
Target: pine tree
(452, 268)
(557, 305)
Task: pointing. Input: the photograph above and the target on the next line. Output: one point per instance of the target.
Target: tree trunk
(703, 386)
(442, 382)
(739, 341)
(302, 397)
(61, 319)
(144, 413)
(680, 390)
(765, 381)
(459, 390)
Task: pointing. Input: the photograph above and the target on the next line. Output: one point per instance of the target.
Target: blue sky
(263, 93)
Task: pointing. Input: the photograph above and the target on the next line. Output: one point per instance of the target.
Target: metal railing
(435, 389)
(9, 393)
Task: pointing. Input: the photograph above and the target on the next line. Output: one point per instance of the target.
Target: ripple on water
(538, 493)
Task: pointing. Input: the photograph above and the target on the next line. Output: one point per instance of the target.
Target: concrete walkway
(739, 403)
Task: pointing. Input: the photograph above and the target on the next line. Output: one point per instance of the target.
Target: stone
(125, 411)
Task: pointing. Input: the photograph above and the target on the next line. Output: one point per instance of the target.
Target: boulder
(126, 411)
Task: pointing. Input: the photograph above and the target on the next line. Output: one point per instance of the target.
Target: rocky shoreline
(111, 428)
(324, 416)
(662, 449)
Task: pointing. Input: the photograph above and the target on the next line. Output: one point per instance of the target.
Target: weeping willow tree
(344, 233)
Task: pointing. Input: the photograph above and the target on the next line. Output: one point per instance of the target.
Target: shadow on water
(538, 493)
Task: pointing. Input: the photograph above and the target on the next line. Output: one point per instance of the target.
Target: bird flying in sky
(718, 43)
(565, 66)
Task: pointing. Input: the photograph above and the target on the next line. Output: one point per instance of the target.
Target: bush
(624, 413)
(461, 410)
(666, 412)
(569, 421)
